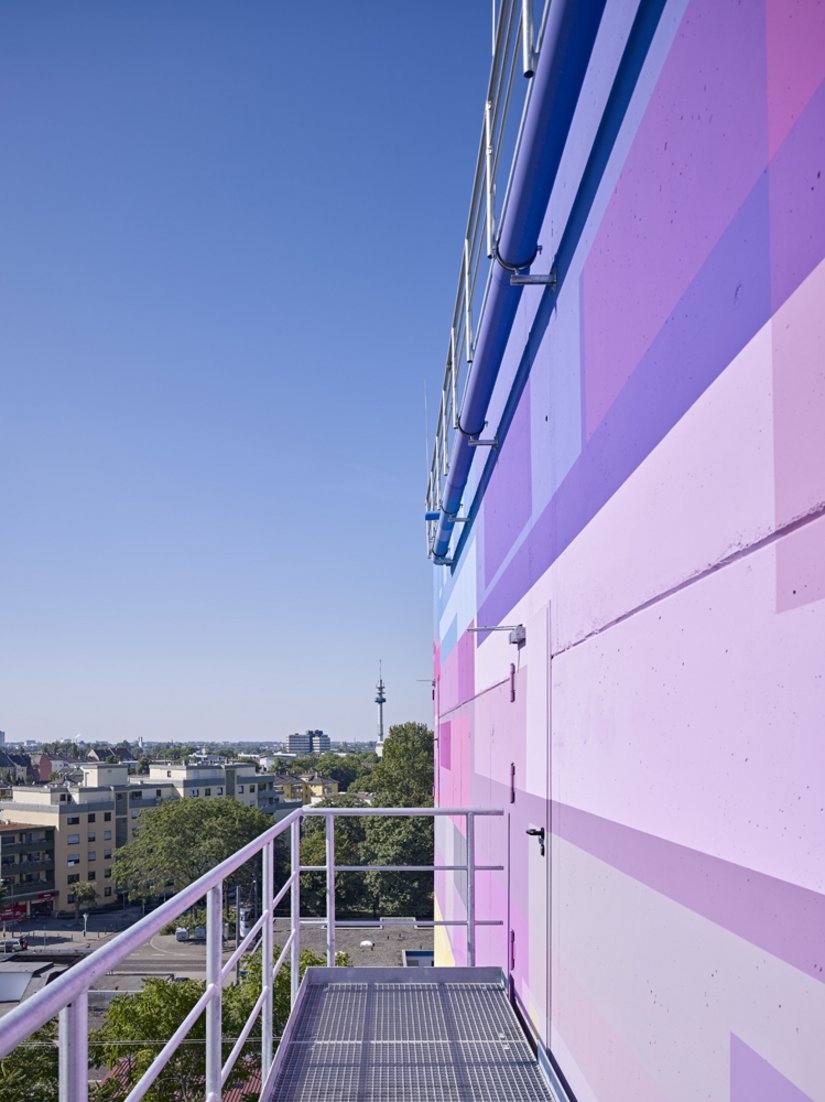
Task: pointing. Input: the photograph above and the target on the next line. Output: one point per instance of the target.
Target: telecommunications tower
(380, 700)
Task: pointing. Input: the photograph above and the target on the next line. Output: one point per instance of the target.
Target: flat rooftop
(397, 1035)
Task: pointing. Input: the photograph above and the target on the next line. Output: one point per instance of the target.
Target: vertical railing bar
(330, 831)
(471, 889)
(495, 21)
(295, 909)
(213, 979)
(267, 952)
(73, 1056)
(528, 63)
(455, 380)
(444, 428)
(468, 322)
(488, 169)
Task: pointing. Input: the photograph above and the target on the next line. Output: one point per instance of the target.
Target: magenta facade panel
(655, 518)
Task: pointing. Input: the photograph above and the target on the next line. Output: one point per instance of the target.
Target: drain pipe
(565, 54)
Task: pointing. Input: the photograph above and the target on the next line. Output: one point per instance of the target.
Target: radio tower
(380, 700)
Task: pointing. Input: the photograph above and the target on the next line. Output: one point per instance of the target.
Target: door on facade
(529, 824)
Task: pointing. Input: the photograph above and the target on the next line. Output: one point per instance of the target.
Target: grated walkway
(378, 1039)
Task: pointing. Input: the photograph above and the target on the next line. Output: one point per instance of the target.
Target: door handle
(537, 832)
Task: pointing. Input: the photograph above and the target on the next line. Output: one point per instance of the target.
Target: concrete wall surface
(655, 518)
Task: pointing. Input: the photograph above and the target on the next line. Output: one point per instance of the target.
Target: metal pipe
(295, 911)
(73, 1031)
(214, 901)
(471, 890)
(330, 825)
(453, 374)
(267, 950)
(566, 48)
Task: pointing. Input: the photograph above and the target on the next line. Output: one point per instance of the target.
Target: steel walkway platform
(400, 1035)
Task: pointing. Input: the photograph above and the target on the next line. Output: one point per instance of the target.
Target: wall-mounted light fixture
(518, 633)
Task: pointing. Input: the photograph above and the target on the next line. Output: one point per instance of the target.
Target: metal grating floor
(379, 1040)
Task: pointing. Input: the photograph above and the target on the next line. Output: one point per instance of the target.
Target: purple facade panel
(655, 519)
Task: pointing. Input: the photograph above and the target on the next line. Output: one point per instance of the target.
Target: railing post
(266, 959)
(73, 1035)
(528, 59)
(213, 979)
(330, 820)
(295, 909)
(471, 889)
(468, 309)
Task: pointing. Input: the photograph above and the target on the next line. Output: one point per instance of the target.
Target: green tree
(404, 775)
(85, 896)
(29, 1072)
(180, 840)
(350, 891)
(391, 841)
(138, 1025)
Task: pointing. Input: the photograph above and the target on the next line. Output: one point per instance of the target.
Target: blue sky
(229, 241)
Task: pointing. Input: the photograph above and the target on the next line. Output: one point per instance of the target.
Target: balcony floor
(407, 1035)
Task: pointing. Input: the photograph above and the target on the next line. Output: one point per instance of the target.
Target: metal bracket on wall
(548, 280)
(478, 443)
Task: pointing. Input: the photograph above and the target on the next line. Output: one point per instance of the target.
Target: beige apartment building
(90, 820)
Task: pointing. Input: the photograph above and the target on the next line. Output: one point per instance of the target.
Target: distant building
(2, 738)
(27, 864)
(311, 742)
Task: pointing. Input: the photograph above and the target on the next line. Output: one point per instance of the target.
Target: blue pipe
(565, 54)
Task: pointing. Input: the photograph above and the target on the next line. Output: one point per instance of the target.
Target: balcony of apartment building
(355, 1032)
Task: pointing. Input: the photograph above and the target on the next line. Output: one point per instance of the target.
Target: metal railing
(514, 49)
(68, 996)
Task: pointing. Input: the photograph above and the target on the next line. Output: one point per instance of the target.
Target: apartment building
(26, 870)
(88, 821)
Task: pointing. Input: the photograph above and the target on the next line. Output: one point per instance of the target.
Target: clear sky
(229, 244)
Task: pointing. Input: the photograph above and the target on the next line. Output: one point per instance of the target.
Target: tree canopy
(180, 840)
(404, 775)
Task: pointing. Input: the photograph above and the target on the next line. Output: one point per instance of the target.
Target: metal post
(237, 930)
(444, 430)
(330, 890)
(295, 910)
(213, 980)
(454, 379)
(488, 175)
(468, 320)
(527, 58)
(471, 890)
(73, 1033)
(267, 954)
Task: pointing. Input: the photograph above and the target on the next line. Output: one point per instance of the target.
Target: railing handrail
(68, 995)
(46, 1003)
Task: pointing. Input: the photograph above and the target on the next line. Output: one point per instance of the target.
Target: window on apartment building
(92, 816)
(219, 791)
(73, 820)
(196, 792)
(107, 892)
(107, 816)
(92, 874)
(137, 795)
(135, 812)
(168, 772)
(107, 874)
(63, 797)
(207, 791)
(73, 878)
(107, 835)
(240, 789)
(158, 793)
(73, 840)
(92, 837)
(252, 788)
(107, 853)
(73, 860)
(92, 855)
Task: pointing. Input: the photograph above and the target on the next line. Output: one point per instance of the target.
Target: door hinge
(512, 782)
(512, 950)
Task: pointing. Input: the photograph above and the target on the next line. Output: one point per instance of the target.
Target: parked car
(14, 945)
(182, 934)
(200, 933)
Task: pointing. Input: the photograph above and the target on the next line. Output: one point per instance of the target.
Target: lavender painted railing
(68, 996)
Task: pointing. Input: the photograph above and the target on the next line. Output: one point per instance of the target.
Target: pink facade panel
(655, 520)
